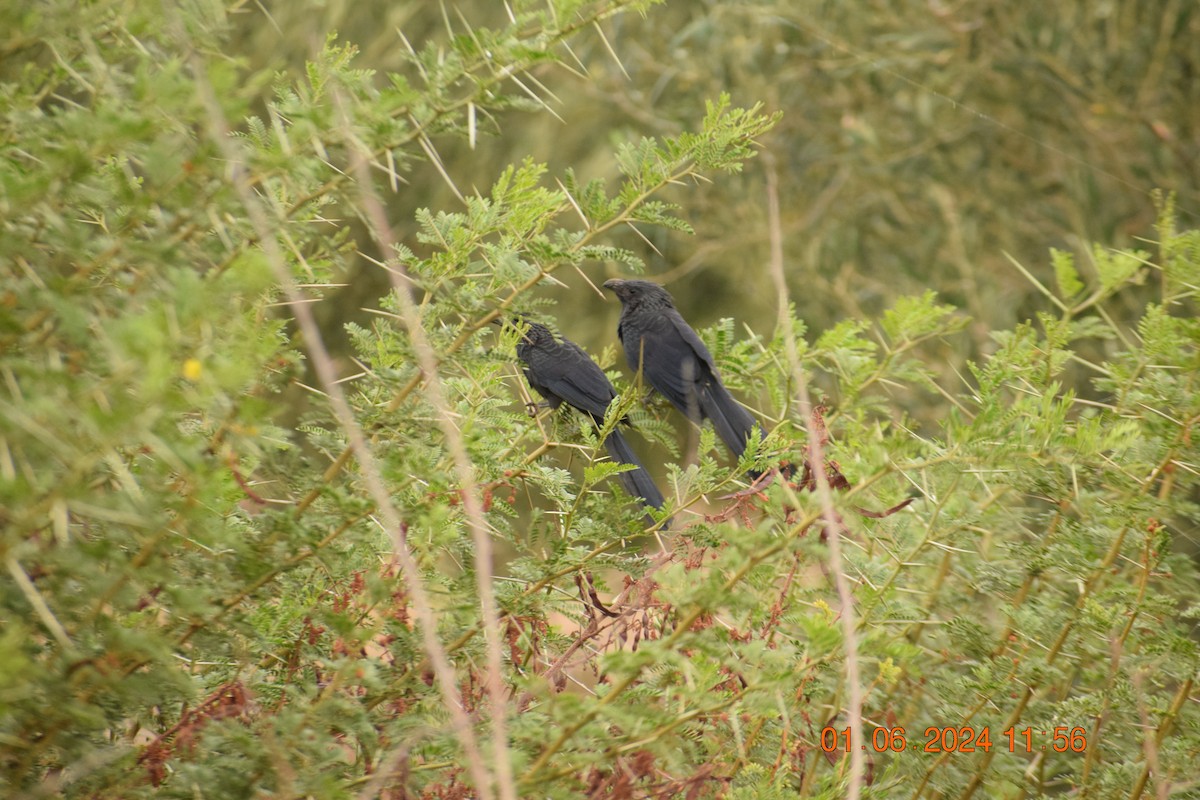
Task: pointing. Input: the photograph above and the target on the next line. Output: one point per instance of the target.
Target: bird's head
(633, 294)
(532, 333)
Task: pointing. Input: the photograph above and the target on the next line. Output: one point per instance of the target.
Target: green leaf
(1065, 274)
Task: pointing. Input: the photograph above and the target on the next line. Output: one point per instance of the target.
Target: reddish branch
(743, 501)
(230, 701)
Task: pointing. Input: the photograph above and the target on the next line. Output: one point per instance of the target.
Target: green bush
(210, 593)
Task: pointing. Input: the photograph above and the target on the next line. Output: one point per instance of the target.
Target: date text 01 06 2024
(1061, 739)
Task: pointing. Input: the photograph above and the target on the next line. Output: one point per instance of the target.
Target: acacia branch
(218, 131)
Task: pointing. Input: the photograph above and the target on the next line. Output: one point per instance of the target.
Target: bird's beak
(613, 284)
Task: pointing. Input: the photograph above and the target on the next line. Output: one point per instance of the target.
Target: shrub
(415, 589)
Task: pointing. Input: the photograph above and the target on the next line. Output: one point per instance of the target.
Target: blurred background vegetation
(920, 142)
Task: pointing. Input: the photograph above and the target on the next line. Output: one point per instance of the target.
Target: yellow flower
(192, 369)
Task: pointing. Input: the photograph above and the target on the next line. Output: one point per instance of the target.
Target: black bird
(562, 372)
(671, 358)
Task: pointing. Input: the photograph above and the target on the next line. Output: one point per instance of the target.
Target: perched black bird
(562, 372)
(672, 359)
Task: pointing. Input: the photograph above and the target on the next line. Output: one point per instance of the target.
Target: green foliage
(918, 148)
(199, 598)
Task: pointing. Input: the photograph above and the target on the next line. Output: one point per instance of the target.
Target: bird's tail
(636, 481)
(733, 423)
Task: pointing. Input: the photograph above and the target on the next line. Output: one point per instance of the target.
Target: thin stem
(219, 132)
(435, 392)
(833, 524)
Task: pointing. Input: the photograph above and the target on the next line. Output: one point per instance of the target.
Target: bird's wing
(693, 339)
(671, 356)
(571, 374)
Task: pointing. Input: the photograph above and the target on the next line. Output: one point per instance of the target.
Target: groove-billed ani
(673, 360)
(562, 372)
